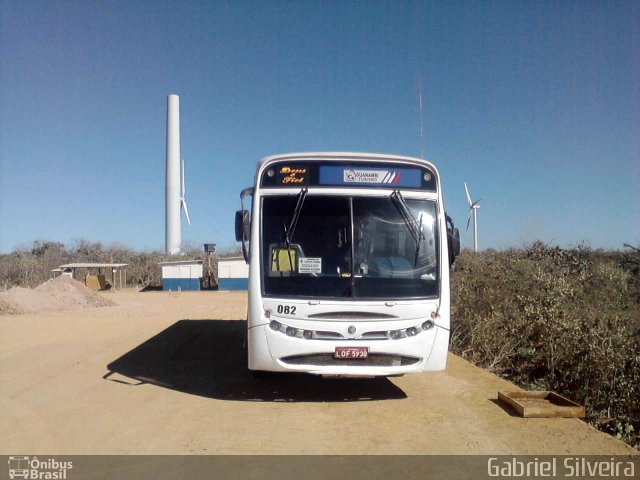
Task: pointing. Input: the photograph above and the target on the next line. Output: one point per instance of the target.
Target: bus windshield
(349, 247)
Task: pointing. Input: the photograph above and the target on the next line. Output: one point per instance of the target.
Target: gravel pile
(60, 293)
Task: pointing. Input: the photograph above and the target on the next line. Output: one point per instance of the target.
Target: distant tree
(230, 251)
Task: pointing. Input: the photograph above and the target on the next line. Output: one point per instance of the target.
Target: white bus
(349, 257)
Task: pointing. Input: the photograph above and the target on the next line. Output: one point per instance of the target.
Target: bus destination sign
(349, 174)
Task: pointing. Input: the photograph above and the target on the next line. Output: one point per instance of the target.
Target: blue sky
(535, 104)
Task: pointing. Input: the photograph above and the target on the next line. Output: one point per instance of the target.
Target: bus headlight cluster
(411, 331)
(290, 331)
(310, 334)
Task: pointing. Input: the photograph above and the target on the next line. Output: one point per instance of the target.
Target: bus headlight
(427, 325)
(308, 334)
(275, 325)
(291, 331)
(412, 331)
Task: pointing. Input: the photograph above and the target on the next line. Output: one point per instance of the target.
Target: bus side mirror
(453, 240)
(243, 225)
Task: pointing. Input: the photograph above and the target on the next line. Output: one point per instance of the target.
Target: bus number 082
(287, 309)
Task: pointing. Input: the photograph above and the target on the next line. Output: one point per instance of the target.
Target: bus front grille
(352, 316)
(321, 335)
(380, 335)
(373, 360)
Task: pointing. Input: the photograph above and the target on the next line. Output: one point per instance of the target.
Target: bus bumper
(273, 351)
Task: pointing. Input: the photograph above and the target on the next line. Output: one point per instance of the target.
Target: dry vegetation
(31, 266)
(547, 318)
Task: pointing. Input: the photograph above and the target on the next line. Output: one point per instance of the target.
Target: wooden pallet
(541, 404)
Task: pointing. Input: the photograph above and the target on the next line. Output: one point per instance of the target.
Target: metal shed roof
(230, 259)
(93, 265)
(182, 262)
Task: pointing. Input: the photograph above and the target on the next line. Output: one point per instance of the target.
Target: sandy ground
(162, 373)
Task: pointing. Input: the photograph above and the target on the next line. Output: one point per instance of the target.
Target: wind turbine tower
(473, 209)
(175, 185)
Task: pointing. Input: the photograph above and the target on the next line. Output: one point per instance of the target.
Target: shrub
(557, 319)
(31, 266)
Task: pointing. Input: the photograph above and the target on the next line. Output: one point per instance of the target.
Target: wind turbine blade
(476, 204)
(469, 218)
(182, 186)
(186, 210)
(468, 196)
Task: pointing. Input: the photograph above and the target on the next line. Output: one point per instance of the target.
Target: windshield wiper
(288, 232)
(414, 226)
(415, 264)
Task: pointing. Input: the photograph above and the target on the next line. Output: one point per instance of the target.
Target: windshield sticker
(310, 265)
(283, 259)
(347, 175)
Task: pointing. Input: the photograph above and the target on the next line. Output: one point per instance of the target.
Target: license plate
(351, 352)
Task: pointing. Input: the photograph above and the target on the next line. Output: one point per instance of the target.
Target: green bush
(548, 318)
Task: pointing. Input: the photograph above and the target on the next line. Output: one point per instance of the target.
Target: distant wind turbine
(473, 209)
(183, 191)
(175, 183)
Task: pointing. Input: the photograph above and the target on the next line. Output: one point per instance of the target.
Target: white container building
(182, 275)
(233, 274)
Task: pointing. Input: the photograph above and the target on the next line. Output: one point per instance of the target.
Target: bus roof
(342, 156)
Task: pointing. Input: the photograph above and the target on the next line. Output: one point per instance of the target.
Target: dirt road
(162, 373)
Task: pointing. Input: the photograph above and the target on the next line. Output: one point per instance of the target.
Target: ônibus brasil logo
(33, 468)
